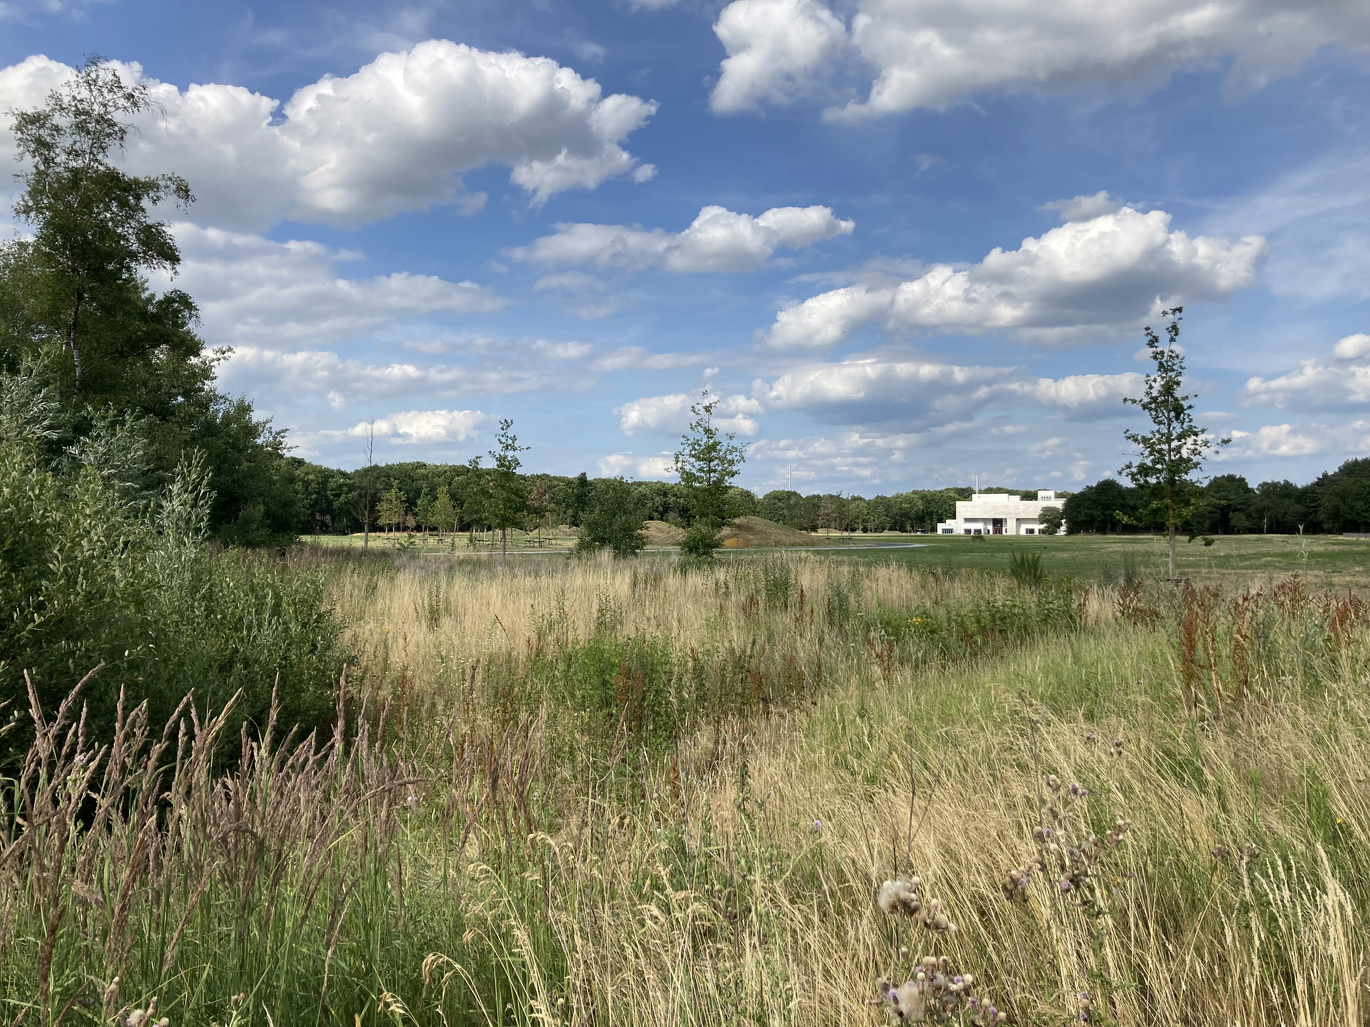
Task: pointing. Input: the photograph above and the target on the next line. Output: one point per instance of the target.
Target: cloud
(630, 465)
(292, 379)
(671, 414)
(923, 394)
(1317, 219)
(1273, 440)
(394, 136)
(777, 50)
(251, 289)
(1081, 281)
(1352, 346)
(932, 55)
(1312, 386)
(24, 9)
(637, 358)
(1085, 208)
(426, 426)
(717, 240)
(588, 51)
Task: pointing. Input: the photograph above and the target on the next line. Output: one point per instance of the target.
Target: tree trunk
(503, 543)
(71, 341)
(1172, 552)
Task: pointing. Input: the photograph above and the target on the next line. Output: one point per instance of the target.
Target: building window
(1029, 531)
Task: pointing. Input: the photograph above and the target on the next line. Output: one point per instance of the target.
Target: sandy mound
(756, 532)
(659, 533)
(743, 533)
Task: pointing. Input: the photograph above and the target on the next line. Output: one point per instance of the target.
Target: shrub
(95, 570)
(614, 521)
(1025, 567)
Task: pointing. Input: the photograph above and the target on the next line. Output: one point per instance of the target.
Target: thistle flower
(900, 896)
(937, 994)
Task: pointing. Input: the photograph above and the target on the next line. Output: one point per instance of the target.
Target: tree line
(429, 497)
(1336, 501)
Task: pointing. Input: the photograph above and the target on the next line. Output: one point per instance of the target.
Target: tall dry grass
(629, 793)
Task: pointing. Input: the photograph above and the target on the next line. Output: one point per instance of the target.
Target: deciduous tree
(707, 462)
(1171, 454)
(507, 492)
(614, 520)
(93, 231)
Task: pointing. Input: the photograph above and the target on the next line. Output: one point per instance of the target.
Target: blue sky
(904, 242)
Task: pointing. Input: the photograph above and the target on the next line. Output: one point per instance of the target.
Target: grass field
(1324, 561)
(609, 792)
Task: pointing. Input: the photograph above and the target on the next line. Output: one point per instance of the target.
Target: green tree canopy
(707, 462)
(506, 497)
(614, 520)
(1171, 454)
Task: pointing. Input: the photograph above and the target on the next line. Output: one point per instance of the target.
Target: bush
(614, 521)
(95, 570)
(701, 540)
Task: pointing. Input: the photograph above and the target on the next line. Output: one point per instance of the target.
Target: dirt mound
(743, 533)
(754, 532)
(659, 533)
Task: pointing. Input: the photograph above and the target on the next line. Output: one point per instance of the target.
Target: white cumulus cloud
(717, 240)
(932, 54)
(671, 414)
(1314, 384)
(1085, 208)
(777, 50)
(282, 379)
(250, 288)
(394, 136)
(425, 426)
(1352, 346)
(1274, 440)
(660, 467)
(926, 393)
(1078, 282)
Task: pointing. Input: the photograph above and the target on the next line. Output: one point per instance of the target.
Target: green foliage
(1051, 519)
(1344, 497)
(1105, 506)
(707, 462)
(578, 496)
(443, 513)
(77, 290)
(1025, 566)
(986, 620)
(391, 510)
(1172, 452)
(92, 231)
(96, 569)
(506, 496)
(613, 521)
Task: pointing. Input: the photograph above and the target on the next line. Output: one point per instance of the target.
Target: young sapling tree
(507, 492)
(614, 520)
(1171, 454)
(707, 462)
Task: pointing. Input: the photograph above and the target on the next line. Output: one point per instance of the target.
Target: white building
(996, 513)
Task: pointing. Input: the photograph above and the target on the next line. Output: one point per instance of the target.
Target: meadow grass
(604, 792)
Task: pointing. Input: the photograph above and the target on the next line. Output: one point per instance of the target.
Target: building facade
(996, 513)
